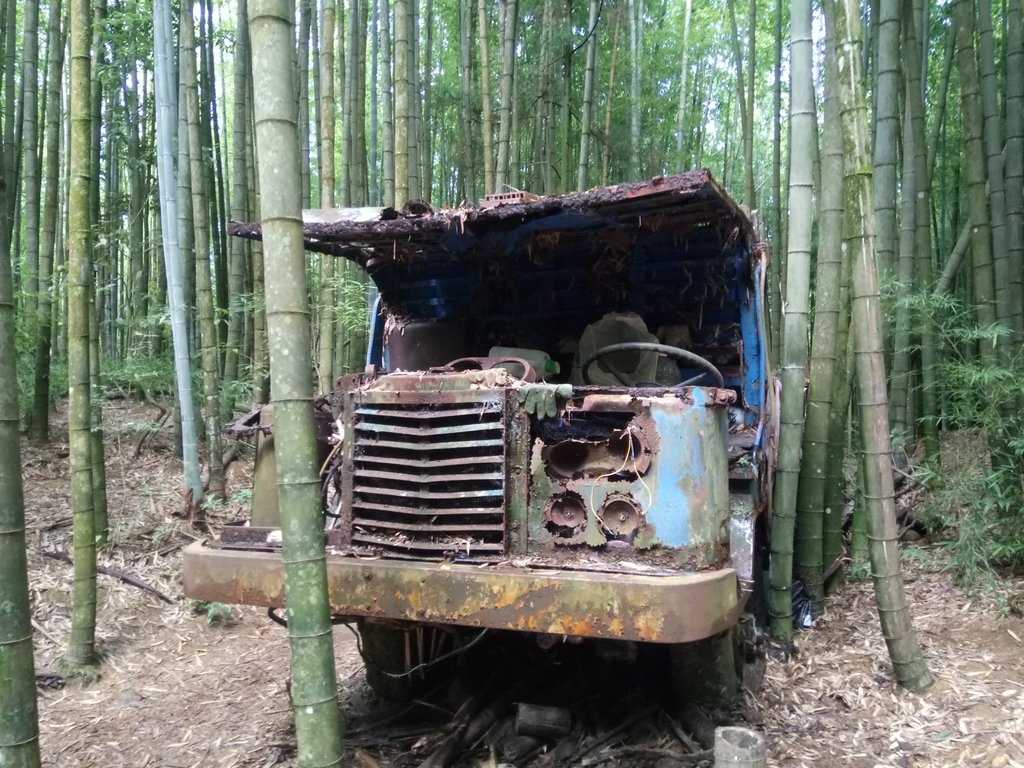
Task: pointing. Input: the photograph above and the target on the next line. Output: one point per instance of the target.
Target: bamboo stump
(739, 748)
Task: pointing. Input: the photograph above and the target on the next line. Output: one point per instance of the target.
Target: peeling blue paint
(690, 497)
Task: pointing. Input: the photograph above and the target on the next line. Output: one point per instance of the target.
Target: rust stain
(508, 595)
(649, 624)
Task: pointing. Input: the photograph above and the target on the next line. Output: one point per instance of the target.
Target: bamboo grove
(882, 145)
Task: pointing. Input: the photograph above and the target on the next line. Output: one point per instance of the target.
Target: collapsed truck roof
(674, 249)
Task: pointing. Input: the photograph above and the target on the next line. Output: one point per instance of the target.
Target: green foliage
(215, 612)
(26, 356)
(980, 508)
(985, 522)
(25, 344)
(350, 301)
(238, 391)
(140, 376)
(242, 497)
(976, 393)
(211, 503)
(915, 555)
(859, 572)
(145, 377)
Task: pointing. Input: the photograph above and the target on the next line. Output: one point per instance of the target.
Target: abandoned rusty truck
(562, 429)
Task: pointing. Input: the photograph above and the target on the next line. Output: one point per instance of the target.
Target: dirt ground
(183, 691)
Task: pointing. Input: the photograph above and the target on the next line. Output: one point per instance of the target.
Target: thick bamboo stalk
(238, 253)
(509, 16)
(928, 422)
(314, 686)
(908, 662)
(794, 338)
(403, 103)
(974, 151)
(327, 300)
(485, 97)
(900, 376)
(774, 297)
(387, 107)
(19, 722)
(587, 118)
(29, 154)
(166, 128)
(208, 339)
(467, 160)
(743, 97)
(80, 657)
(887, 126)
(832, 317)
(818, 521)
(39, 426)
(1014, 168)
(635, 77)
(684, 71)
(993, 143)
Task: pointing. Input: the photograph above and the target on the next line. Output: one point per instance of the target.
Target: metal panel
(690, 503)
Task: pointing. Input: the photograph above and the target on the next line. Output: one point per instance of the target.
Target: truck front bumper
(675, 608)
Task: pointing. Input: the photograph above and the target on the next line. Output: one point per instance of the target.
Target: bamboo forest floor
(181, 689)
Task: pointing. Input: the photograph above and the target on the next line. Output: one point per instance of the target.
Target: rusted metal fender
(672, 608)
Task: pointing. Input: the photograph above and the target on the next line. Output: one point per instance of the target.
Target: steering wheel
(677, 353)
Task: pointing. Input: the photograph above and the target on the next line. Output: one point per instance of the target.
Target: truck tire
(707, 671)
(392, 648)
(384, 655)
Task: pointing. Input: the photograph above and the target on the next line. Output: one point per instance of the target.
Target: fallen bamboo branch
(51, 526)
(444, 755)
(231, 455)
(127, 578)
(699, 725)
(545, 722)
(450, 746)
(42, 631)
(624, 726)
(158, 422)
(913, 479)
(685, 739)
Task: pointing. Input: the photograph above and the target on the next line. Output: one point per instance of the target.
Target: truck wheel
(706, 672)
(383, 651)
(390, 649)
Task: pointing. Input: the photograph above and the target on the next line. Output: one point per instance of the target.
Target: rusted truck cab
(562, 427)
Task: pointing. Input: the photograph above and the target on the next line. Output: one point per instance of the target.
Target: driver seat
(635, 368)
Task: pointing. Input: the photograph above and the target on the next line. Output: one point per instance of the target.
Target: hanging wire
(439, 659)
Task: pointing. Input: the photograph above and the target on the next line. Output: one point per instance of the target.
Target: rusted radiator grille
(429, 480)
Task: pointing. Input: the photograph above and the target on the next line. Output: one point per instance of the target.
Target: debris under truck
(562, 427)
